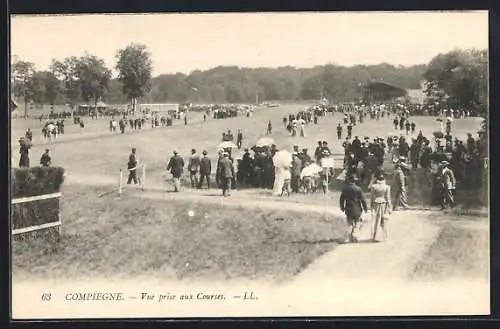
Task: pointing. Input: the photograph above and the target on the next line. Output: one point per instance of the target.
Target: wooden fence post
(143, 180)
(120, 183)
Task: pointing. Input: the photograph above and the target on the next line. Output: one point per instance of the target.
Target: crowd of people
(364, 159)
(447, 161)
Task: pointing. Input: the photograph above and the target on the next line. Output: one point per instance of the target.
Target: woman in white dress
(381, 207)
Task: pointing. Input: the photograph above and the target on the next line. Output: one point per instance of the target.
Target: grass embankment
(460, 251)
(112, 237)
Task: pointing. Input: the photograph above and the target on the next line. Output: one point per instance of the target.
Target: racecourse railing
(39, 227)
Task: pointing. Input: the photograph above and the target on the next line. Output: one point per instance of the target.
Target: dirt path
(410, 236)
(410, 232)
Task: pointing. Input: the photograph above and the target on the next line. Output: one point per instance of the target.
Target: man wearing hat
(29, 135)
(205, 170)
(176, 166)
(226, 173)
(194, 167)
(414, 153)
(132, 167)
(352, 203)
(239, 139)
(46, 160)
(317, 152)
(296, 169)
(24, 160)
(339, 131)
(448, 183)
(349, 130)
(306, 159)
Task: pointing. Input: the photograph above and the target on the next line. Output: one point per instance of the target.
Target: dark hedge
(35, 181)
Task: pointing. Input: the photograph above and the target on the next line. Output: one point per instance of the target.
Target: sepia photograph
(249, 165)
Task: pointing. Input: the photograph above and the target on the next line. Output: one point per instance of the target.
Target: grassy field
(110, 236)
(461, 249)
(117, 237)
(104, 154)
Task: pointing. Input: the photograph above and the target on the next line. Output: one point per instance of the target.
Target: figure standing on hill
(132, 167)
(176, 166)
(193, 168)
(352, 203)
(185, 120)
(46, 160)
(205, 170)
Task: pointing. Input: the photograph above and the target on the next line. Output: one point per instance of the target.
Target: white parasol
(226, 145)
(282, 159)
(265, 141)
(310, 170)
(341, 177)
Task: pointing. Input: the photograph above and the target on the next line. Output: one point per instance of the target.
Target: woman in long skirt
(24, 160)
(380, 207)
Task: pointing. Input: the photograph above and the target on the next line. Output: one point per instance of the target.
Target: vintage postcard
(257, 164)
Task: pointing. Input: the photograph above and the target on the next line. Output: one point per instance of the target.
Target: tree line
(459, 76)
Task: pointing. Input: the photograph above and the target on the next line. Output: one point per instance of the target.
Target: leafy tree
(22, 74)
(462, 75)
(37, 88)
(67, 72)
(93, 76)
(134, 66)
(52, 87)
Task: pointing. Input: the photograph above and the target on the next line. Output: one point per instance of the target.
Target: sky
(186, 42)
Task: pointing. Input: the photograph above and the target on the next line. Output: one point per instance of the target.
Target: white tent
(101, 104)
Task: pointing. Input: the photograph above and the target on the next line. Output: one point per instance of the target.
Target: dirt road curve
(409, 232)
(410, 236)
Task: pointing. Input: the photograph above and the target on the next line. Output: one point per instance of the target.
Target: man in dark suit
(246, 167)
(226, 173)
(352, 203)
(205, 170)
(132, 167)
(176, 165)
(46, 160)
(296, 170)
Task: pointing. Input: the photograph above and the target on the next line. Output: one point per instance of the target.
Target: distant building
(375, 92)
